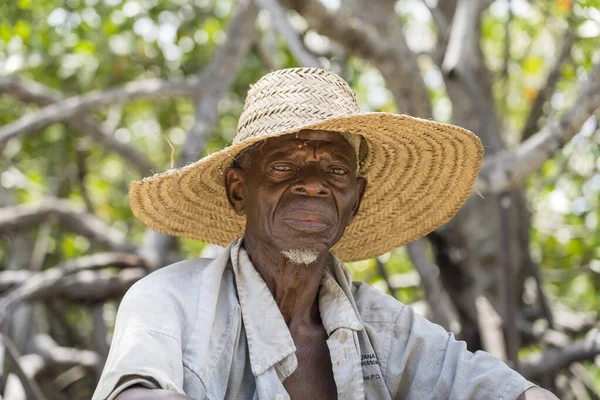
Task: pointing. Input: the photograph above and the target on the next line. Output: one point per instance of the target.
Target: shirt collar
(269, 339)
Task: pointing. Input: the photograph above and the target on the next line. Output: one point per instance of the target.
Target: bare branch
(70, 376)
(552, 360)
(462, 36)
(49, 278)
(30, 386)
(265, 55)
(384, 274)
(586, 378)
(48, 354)
(392, 56)
(509, 282)
(571, 321)
(285, 29)
(12, 278)
(73, 106)
(93, 286)
(506, 49)
(443, 312)
(490, 328)
(61, 356)
(541, 333)
(405, 280)
(33, 92)
(440, 22)
(25, 217)
(531, 125)
(197, 86)
(99, 334)
(81, 155)
(508, 169)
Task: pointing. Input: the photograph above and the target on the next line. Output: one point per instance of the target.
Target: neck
(294, 287)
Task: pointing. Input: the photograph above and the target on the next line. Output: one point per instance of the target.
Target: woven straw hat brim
(419, 174)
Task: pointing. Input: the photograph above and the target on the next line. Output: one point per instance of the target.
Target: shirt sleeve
(146, 347)
(426, 362)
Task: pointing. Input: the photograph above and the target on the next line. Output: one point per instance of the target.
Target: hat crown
(289, 99)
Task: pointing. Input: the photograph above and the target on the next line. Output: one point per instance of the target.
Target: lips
(307, 220)
(307, 224)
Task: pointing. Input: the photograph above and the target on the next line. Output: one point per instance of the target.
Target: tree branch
(508, 169)
(32, 390)
(531, 125)
(265, 55)
(34, 92)
(99, 335)
(25, 217)
(391, 56)
(76, 105)
(552, 360)
(443, 312)
(586, 378)
(405, 280)
(508, 282)
(490, 328)
(286, 30)
(462, 36)
(92, 287)
(42, 281)
(197, 86)
(48, 354)
(386, 278)
(11, 278)
(64, 357)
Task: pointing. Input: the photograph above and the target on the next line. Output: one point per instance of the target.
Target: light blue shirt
(211, 329)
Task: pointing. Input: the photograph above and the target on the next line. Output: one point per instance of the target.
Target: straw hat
(419, 172)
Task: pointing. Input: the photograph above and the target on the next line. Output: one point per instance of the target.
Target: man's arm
(428, 362)
(139, 393)
(146, 346)
(537, 393)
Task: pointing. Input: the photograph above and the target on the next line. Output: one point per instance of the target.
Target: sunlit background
(74, 47)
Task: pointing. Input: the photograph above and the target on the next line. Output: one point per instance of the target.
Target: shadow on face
(298, 191)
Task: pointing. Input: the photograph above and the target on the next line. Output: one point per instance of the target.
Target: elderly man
(276, 315)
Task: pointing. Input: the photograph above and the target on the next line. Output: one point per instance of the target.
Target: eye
(282, 167)
(338, 171)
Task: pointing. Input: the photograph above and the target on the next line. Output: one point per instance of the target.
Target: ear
(361, 183)
(235, 189)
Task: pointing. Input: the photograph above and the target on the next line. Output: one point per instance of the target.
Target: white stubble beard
(301, 256)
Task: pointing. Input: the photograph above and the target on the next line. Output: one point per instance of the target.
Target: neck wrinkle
(295, 288)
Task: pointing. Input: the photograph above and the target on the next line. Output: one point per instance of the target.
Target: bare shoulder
(537, 393)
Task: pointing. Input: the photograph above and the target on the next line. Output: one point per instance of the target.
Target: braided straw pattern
(419, 172)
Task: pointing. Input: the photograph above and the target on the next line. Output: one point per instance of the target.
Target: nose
(310, 187)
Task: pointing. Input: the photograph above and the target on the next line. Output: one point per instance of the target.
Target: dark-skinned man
(308, 182)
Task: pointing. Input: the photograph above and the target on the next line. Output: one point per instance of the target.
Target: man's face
(298, 191)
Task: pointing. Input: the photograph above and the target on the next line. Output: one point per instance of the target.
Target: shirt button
(280, 396)
(257, 367)
(355, 325)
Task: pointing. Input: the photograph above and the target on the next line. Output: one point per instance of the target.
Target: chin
(306, 241)
(301, 256)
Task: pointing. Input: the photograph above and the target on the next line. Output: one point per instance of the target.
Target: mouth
(306, 223)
